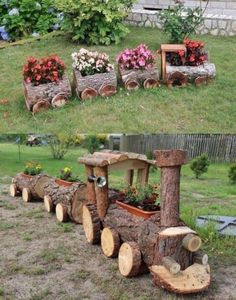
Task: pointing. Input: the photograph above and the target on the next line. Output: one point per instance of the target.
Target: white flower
(83, 51)
(35, 34)
(14, 12)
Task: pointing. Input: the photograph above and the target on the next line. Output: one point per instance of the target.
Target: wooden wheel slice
(177, 79)
(91, 224)
(26, 195)
(13, 190)
(107, 90)
(132, 85)
(77, 208)
(151, 83)
(48, 204)
(59, 100)
(42, 105)
(201, 80)
(88, 94)
(61, 213)
(110, 242)
(129, 259)
(192, 242)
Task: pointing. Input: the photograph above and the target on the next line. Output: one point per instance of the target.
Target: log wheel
(177, 79)
(151, 83)
(13, 190)
(48, 204)
(131, 85)
(129, 259)
(77, 208)
(26, 195)
(88, 94)
(61, 213)
(91, 223)
(110, 242)
(107, 90)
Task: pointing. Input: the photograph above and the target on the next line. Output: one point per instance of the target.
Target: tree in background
(232, 173)
(200, 165)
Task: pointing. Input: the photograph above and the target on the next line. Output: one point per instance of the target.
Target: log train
(161, 243)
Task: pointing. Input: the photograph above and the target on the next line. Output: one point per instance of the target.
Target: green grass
(207, 109)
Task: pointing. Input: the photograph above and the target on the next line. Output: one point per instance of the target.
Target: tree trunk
(72, 198)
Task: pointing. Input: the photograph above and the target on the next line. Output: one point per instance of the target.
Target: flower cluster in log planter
(137, 67)
(45, 83)
(66, 177)
(32, 168)
(93, 74)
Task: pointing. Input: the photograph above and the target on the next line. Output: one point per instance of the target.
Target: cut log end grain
(77, 208)
(129, 259)
(151, 83)
(171, 264)
(61, 213)
(59, 100)
(192, 242)
(26, 195)
(91, 224)
(200, 258)
(132, 85)
(88, 93)
(194, 279)
(107, 90)
(48, 204)
(201, 80)
(40, 106)
(177, 79)
(13, 190)
(110, 242)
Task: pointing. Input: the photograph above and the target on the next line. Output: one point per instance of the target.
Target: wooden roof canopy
(116, 160)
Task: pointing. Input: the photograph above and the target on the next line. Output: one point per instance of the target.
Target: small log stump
(104, 84)
(132, 79)
(41, 97)
(91, 224)
(71, 199)
(110, 242)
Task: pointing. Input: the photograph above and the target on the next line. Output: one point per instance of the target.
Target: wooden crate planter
(134, 79)
(88, 87)
(43, 96)
(162, 243)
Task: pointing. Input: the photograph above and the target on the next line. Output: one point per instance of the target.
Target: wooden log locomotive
(162, 243)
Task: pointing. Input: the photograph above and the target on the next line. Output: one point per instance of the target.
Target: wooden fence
(219, 147)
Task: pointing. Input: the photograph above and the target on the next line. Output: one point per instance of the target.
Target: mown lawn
(207, 109)
(212, 194)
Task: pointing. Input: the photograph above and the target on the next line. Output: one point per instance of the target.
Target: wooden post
(142, 176)
(170, 162)
(129, 177)
(102, 193)
(91, 195)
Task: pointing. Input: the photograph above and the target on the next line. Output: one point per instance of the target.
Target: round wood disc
(61, 213)
(77, 211)
(129, 259)
(132, 85)
(13, 190)
(48, 204)
(91, 224)
(40, 185)
(88, 93)
(110, 242)
(26, 195)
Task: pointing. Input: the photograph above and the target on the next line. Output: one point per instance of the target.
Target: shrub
(50, 69)
(179, 21)
(59, 146)
(94, 21)
(139, 58)
(32, 168)
(21, 18)
(92, 143)
(199, 165)
(90, 63)
(232, 173)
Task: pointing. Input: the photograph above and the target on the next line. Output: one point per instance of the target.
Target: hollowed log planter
(137, 211)
(43, 96)
(180, 75)
(134, 79)
(30, 187)
(91, 86)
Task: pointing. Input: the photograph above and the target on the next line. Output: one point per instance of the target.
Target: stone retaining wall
(213, 24)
